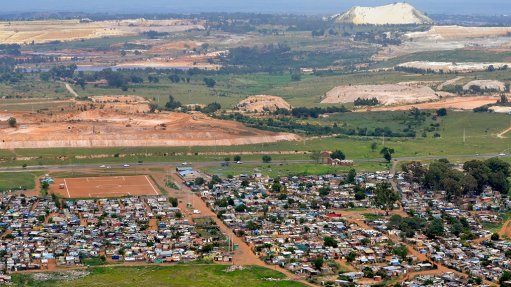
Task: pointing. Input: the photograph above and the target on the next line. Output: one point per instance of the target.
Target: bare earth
(458, 103)
(450, 67)
(445, 38)
(110, 128)
(261, 103)
(388, 94)
(26, 32)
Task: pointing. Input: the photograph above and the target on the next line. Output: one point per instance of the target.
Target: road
(78, 166)
(71, 90)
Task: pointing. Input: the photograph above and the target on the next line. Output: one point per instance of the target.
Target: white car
(195, 211)
(125, 165)
(502, 154)
(185, 163)
(102, 166)
(108, 166)
(239, 162)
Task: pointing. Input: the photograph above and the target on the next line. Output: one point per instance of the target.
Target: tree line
(475, 176)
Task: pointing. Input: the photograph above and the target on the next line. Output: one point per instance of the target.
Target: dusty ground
(26, 32)
(261, 103)
(388, 94)
(108, 186)
(485, 85)
(459, 32)
(444, 38)
(450, 67)
(191, 61)
(458, 103)
(126, 104)
(110, 127)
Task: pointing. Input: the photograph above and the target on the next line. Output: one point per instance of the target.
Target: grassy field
(17, 181)
(293, 169)
(175, 276)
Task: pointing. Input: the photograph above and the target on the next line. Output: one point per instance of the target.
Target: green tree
(414, 172)
(316, 156)
(266, 158)
(330, 242)
(374, 145)
(199, 181)
(387, 153)
(352, 174)
(12, 122)
(318, 263)
(237, 158)
(385, 197)
(209, 82)
(338, 155)
(435, 228)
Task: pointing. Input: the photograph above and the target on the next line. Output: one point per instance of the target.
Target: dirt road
(243, 255)
(72, 91)
(501, 135)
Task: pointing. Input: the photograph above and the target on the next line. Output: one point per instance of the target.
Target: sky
(477, 7)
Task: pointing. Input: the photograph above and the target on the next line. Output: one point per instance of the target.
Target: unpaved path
(448, 82)
(357, 217)
(243, 255)
(506, 229)
(501, 135)
(72, 91)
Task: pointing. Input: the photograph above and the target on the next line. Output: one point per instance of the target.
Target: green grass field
(175, 276)
(17, 180)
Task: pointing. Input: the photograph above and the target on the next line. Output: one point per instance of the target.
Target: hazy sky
(489, 7)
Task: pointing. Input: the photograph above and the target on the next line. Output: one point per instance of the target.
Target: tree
(266, 158)
(318, 263)
(352, 174)
(387, 153)
(441, 112)
(351, 256)
(506, 276)
(385, 197)
(212, 108)
(45, 76)
(414, 172)
(401, 251)
(338, 155)
(316, 156)
(237, 158)
(199, 181)
(435, 228)
(329, 242)
(12, 122)
(495, 237)
(374, 145)
(172, 104)
(209, 82)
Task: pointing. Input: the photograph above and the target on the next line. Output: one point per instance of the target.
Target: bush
(266, 159)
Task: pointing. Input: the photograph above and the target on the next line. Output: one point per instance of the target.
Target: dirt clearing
(104, 187)
(457, 103)
(123, 125)
(387, 94)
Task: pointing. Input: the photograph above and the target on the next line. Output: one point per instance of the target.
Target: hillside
(261, 103)
(393, 14)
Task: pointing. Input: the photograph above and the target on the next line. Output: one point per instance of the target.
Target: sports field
(109, 186)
